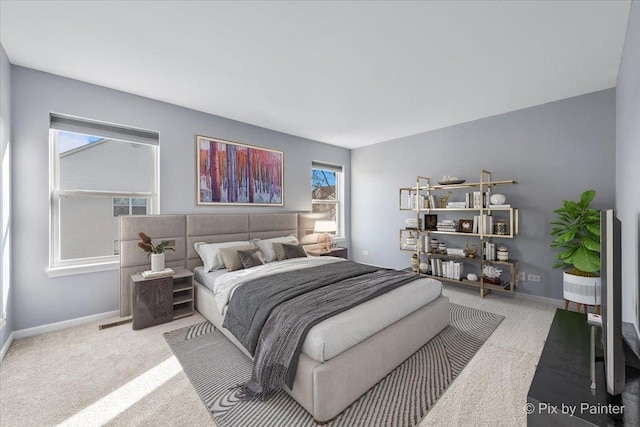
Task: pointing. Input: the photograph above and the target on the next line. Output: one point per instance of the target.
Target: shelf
(499, 288)
(459, 209)
(177, 287)
(453, 233)
(182, 299)
(470, 185)
(182, 312)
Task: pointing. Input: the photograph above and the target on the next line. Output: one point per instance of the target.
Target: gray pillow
(294, 251)
(251, 258)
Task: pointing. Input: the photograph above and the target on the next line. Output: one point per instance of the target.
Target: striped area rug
(214, 366)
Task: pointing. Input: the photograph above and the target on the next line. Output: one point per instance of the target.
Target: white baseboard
(538, 298)
(64, 324)
(22, 333)
(6, 346)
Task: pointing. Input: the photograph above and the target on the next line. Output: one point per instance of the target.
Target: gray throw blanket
(330, 289)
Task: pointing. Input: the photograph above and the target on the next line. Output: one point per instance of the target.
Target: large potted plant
(576, 232)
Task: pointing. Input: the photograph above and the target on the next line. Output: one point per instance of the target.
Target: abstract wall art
(238, 174)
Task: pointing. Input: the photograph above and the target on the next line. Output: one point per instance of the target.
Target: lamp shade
(325, 227)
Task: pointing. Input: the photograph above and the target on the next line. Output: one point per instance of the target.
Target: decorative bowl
(497, 199)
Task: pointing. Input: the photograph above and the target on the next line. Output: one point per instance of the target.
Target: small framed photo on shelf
(465, 225)
(430, 222)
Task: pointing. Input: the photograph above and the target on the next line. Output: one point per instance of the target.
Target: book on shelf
(412, 223)
(490, 251)
(499, 206)
(456, 205)
(149, 274)
(456, 252)
(447, 269)
(447, 225)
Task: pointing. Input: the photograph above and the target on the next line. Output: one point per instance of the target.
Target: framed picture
(430, 222)
(230, 173)
(465, 225)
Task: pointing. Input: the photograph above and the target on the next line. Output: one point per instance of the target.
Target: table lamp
(324, 228)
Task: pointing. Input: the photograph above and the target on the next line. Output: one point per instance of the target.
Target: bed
(334, 368)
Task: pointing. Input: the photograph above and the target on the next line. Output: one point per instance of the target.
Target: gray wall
(628, 166)
(555, 151)
(40, 300)
(5, 243)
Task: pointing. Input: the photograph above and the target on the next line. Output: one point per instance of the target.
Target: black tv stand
(560, 393)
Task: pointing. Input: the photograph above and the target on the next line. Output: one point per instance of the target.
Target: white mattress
(332, 336)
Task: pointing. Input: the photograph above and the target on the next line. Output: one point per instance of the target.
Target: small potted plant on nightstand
(155, 252)
(577, 234)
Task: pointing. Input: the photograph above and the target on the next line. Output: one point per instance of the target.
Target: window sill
(72, 270)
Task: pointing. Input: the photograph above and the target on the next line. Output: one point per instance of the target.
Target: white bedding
(223, 286)
(342, 331)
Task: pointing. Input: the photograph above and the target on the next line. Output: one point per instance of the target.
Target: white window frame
(339, 202)
(131, 205)
(58, 267)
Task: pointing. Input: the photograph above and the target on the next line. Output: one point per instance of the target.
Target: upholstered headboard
(185, 230)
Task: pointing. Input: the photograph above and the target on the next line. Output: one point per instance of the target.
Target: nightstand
(335, 251)
(162, 299)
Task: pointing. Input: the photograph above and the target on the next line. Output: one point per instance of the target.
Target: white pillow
(210, 253)
(266, 245)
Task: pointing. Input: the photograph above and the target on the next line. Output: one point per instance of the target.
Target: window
(99, 172)
(327, 192)
(130, 206)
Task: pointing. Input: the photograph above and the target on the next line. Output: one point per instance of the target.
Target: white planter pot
(157, 262)
(582, 290)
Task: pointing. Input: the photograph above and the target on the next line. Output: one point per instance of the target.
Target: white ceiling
(345, 73)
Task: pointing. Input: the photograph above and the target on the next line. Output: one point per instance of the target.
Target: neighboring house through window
(99, 172)
(327, 194)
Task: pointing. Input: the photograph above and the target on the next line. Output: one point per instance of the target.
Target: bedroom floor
(117, 376)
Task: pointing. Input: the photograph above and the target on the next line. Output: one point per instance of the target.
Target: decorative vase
(415, 263)
(502, 253)
(157, 262)
(433, 244)
(500, 227)
(497, 199)
(424, 268)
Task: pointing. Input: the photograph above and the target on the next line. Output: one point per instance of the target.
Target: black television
(611, 300)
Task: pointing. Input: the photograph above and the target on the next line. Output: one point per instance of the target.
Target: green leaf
(594, 228)
(586, 198)
(560, 264)
(586, 260)
(567, 236)
(591, 244)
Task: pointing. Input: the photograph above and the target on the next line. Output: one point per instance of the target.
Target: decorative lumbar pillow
(210, 253)
(279, 251)
(294, 251)
(251, 258)
(266, 245)
(230, 256)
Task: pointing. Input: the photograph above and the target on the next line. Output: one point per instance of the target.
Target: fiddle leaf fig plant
(577, 235)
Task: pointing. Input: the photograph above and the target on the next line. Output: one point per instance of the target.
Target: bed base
(326, 389)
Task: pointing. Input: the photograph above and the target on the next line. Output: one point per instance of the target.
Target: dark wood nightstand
(161, 299)
(335, 251)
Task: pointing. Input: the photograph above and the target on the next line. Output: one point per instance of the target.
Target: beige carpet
(117, 376)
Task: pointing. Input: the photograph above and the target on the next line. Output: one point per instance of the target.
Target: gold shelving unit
(420, 199)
